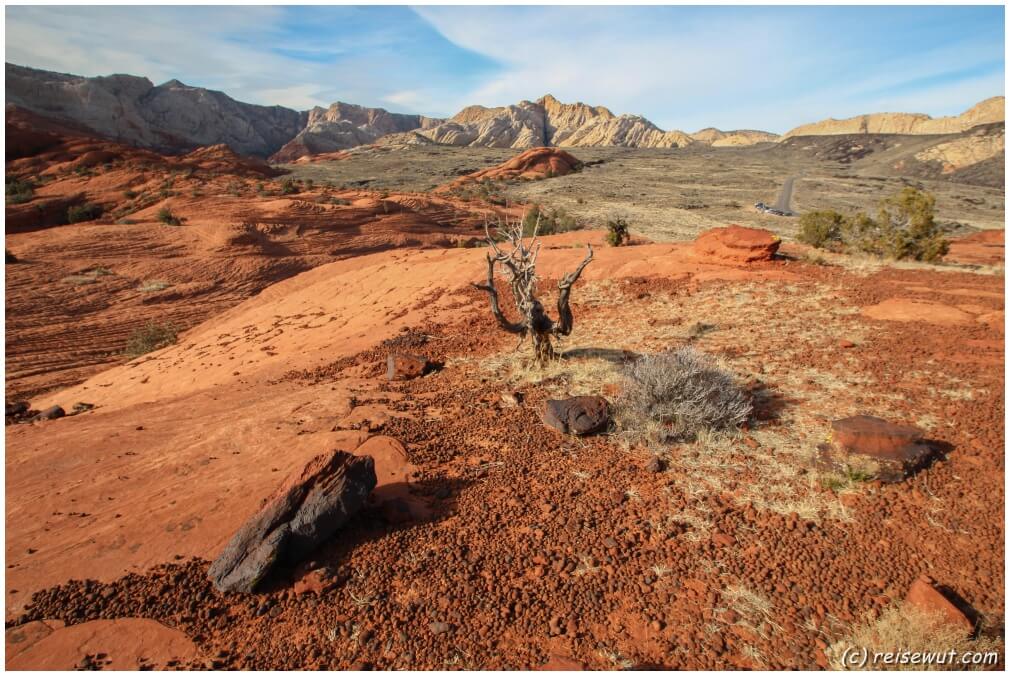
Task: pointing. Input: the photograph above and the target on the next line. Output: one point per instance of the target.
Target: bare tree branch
(492, 292)
(520, 263)
(565, 320)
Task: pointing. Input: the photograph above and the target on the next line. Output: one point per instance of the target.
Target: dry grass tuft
(901, 628)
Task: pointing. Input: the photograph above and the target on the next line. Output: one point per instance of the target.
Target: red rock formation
(531, 165)
(735, 245)
(924, 595)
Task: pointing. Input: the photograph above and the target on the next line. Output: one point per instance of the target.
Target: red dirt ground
(527, 548)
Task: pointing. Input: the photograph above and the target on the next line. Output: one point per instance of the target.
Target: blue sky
(682, 67)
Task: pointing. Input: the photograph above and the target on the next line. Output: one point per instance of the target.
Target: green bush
(908, 229)
(18, 190)
(149, 338)
(551, 222)
(289, 187)
(166, 216)
(617, 232)
(83, 212)
(821, 229)
(904, 228)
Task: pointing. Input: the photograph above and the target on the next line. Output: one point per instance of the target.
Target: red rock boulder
(402, 366)
(926, 596)
(736, 245)
(876, 447)
(870, 435)
(577, 415)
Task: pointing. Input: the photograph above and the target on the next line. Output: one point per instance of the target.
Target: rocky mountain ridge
(346, 125)
(175, 117)
(168, 117)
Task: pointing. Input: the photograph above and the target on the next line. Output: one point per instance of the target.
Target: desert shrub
(289, 187)
(902, 628)
(166, 216)
(617, 232)
(551, 222)
(83, 212)
(153, 285)
(907, 227)
(129, 194)
(821, 229)
(904, 228)
(18, 190)
(683, 393)
(149, 338)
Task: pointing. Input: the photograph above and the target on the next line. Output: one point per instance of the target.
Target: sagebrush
(166, 216)
(541, 221)
(681, 393)
(150, 338)
(83, 212)
(18, 190)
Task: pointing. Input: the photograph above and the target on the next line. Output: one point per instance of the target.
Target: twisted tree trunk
(520, 265)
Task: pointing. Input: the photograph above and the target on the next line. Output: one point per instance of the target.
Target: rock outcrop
(740, 137)
(577, 415)
(345, 125)
(545, 122)
(517, 126)
(966, 150)
(876, 448)
(549, 122)
(402, 366)
(988, 111)
(170, 117)
(736, 245)
(307, 510)
(928, 597)
(531, 165)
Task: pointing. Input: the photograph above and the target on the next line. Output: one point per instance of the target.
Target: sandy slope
(212, 421)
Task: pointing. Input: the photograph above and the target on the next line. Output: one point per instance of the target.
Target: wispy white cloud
(730, 67)
(682, 67)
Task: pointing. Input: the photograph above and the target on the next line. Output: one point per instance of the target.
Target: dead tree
(520, 262)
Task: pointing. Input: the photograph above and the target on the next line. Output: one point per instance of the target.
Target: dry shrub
(150, 338)
(682, 393)
(904, 630)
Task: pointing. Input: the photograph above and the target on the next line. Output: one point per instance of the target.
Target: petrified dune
(990, 110)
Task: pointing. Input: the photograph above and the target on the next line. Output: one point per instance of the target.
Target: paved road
(786, 196)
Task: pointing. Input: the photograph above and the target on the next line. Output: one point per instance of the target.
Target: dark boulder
(51, 413)
(17, 408)
(308, 509)
(403, 366)
(18, 412)
(578, 415)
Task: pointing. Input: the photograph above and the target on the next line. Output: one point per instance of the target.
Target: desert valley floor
(515, 546)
